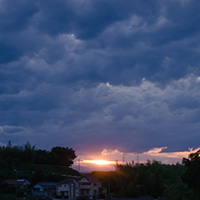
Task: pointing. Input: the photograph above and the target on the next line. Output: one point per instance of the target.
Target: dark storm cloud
(87, 19)
(14, 17)
(98, 15)
(100, 74)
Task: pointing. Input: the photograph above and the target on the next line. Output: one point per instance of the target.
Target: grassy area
(46, 169)
(7, 197)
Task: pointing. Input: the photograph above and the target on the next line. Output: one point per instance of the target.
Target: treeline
(15, 155)
(154, 179)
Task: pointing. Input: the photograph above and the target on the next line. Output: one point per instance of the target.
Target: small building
(44, 189)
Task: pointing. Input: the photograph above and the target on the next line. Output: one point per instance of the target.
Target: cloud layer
(100, 74)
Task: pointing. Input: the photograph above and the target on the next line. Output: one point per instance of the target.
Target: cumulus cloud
(132, 117)
(72, 73)
(153, 154)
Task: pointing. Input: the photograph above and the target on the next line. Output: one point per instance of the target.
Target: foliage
(154, 179)
(19, 162)
(151, 179)
(15, 155)
(192, 174)
(7, 197)
(179, 191)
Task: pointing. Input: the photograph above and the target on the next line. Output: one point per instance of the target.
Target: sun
(99, 162)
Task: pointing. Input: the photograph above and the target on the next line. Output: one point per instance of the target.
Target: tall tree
(62, 156)
(192, 175)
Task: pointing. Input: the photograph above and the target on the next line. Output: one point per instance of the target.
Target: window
(85, 183)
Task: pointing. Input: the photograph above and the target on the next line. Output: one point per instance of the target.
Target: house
(91, 187)
(73, 188)
(17, 183)
(68, 188)
(44, 189)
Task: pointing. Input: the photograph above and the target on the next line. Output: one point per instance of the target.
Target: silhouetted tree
(62, 156)
(151, 179)
(192, 174)
(14, 155)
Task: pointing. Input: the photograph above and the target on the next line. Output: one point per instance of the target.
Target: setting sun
(99, 162)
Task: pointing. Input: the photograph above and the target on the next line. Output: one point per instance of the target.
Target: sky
(101, 75)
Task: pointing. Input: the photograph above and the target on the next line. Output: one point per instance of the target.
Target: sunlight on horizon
(99, 162)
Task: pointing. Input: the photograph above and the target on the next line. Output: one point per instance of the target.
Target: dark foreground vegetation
(153, 179)
(175, 182)
(35, 165)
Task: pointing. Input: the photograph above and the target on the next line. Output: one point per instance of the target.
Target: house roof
(46, 184)
(91, 178)
(17, 182)
(66, 181)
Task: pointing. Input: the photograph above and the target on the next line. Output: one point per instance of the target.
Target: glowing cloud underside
(99, 162)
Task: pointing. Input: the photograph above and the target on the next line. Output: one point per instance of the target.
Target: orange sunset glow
(99, 162)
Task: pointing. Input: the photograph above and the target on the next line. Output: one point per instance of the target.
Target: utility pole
(109, 188)
(123, 158)
(138, 161)
(16, 181)
(116, 162)
(79, 165)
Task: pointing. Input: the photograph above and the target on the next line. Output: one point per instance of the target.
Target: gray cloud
(100, 74)
(135, 118)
